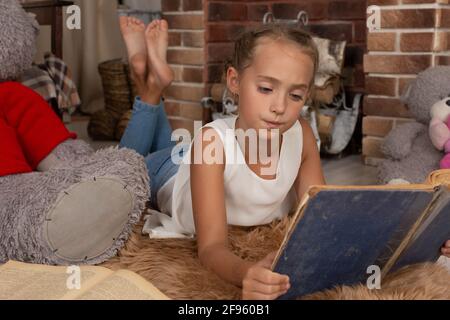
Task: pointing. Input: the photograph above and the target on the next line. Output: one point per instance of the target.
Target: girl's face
(274, 88)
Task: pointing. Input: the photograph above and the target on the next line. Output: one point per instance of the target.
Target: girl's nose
(279, 106)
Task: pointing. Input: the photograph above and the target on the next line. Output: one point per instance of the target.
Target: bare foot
(157, 38)
(133, 32)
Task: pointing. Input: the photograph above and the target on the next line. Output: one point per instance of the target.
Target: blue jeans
(149, 133)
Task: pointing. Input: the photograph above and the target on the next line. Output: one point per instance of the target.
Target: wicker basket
(102, 125)
(119, 92)
(117, 87)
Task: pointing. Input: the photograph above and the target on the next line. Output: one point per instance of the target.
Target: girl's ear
(233, 80)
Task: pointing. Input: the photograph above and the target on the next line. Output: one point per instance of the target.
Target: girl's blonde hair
(247, 41)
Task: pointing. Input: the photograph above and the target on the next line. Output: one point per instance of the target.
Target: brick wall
(414, 35)
(186, 57)
(333, 19)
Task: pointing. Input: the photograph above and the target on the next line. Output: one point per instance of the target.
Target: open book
(337, 232)
(23, 281)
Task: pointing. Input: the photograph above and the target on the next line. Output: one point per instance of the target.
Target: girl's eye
(264, 90)
(296, 97)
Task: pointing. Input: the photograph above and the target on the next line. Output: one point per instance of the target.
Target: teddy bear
(439, 129)
(61, 202)
(408, 149)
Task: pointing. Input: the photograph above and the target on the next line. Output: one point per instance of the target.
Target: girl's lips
(273, 124)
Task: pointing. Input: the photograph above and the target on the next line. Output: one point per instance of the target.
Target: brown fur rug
(173, 267)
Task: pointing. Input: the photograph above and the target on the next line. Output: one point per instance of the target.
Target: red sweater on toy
(29, 129)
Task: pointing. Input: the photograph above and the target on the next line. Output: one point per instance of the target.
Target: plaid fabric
(53, 81)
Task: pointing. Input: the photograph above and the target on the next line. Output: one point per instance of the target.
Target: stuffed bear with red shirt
(60, 202)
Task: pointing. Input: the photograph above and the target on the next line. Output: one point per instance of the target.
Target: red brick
(410, 42)
(223, 32)
(442, 41)
(192, 111)
(318, 10)
(386, 107)
(377, 126)
(188, 110)
(219, 52)
(409, 18)
(182, 123)
(171, 108)
(381, 86)
(227, 11)
(193, 74)
(256, 12)
(193, 39)
(289, 10)
(397, 64)
(192, 5)
(174, 39)
(185, 21)
(185, 56)
(215, 72)
(170, 5)
(443, 60)
(418, 1)
(178, 72)
(351, 10)
(445, 18)
(382, 2)
(372, 147)
(381, 41)
(185, 92)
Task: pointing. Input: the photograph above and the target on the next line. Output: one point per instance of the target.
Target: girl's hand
(261, 283)
(445, 250)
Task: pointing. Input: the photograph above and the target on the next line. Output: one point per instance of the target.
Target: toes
(152, 25)
(163, 25)
(123, 21)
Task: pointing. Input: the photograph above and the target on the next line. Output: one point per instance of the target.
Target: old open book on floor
(23, 281)
(337, 232)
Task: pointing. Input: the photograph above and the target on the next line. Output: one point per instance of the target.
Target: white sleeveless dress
(249, 199)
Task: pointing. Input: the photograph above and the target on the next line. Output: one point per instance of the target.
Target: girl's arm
(208, 201)
(310, 172)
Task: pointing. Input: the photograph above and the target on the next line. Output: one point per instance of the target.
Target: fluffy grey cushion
(27, 198)
(17, 40)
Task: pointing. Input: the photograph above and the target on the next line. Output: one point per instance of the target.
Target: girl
(272, 73)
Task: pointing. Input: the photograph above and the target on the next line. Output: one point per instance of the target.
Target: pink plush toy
(439, 129)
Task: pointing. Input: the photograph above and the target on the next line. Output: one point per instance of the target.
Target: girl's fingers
(268, 277)
(261, 288)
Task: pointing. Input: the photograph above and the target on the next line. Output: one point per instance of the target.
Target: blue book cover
(340, 232)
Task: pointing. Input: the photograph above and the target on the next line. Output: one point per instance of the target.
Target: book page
(123, 285)
(23, 281)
